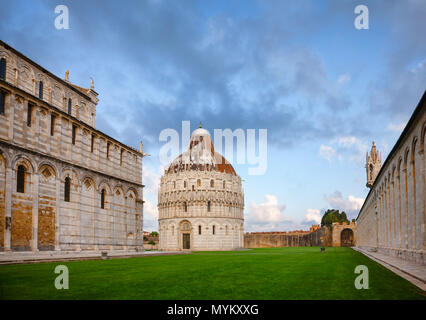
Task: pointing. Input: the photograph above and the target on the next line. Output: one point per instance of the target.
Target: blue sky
(323, 89)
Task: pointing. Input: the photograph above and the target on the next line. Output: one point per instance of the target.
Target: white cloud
(268, 211)
(269, 216)
(151, 180)
(343, 78)
(349, 147)
(150, 209)
(312, 216)
(327, 152)
(396, 127)
(350, 205)
(150, 221)
(354, 146)
(419, 66)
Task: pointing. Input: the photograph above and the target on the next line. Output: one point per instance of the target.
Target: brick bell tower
(373, 165)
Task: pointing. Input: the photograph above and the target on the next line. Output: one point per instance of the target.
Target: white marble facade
(79, 189)
(392, 219)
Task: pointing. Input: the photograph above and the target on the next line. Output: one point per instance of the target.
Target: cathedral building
(200, 200)
(64, 185)
(392, 218)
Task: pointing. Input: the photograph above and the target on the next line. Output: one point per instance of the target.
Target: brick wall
(285, 239)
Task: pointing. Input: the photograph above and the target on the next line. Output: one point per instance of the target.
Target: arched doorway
(185, 235)
(347, 238)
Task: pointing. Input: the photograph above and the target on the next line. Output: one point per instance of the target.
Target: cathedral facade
(64, 185)
(200, 200)
(392, 218)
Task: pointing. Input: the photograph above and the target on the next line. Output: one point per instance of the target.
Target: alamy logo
(361, 20)
(249, 149)
(361, 282)
(62, 281)
(62, 21)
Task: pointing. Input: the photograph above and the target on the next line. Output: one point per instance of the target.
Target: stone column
(11, 116)
(96, 210)
(37, 129)
(111, 222)
(377, 221)
(77, 212)
(139, 213)
(124, 219)
(398, 178)
(406, 206)
(34, 245)
(394, 220)
(413, 200)
(8, 209)
(58, 213)
(379, 212)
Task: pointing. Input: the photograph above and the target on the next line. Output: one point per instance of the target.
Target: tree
(154, 233)
(333, 215)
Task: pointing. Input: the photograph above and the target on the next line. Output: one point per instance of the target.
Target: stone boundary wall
(393, 218)
(319, 237)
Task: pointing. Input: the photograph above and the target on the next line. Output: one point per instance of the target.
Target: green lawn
(275, 273)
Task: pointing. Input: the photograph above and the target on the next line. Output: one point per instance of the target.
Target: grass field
(275, 273)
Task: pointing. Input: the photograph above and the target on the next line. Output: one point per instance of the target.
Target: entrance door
(347, 238)
(186, 241)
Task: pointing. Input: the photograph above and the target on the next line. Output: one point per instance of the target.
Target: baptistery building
(200, 200)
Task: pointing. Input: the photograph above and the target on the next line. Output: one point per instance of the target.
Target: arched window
(52, 124)
(193, 188)
(20, 179)
(69, 106)
(185, 207)
(371, 171)
(92, 143)
(40, 90)
(107, 150)
(186, 227)
(199, 229)
(214, 229)
(67, 189)
(173, 230)
(224, 184)
(208, 206)
(198, 183)
(29, 114)
(73, 133)
(3, 68)
(184, 184)
(211, 183)
(226, 230)
(174, 184)
(103, 199)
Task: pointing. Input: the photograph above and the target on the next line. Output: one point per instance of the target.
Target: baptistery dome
(200, 200)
